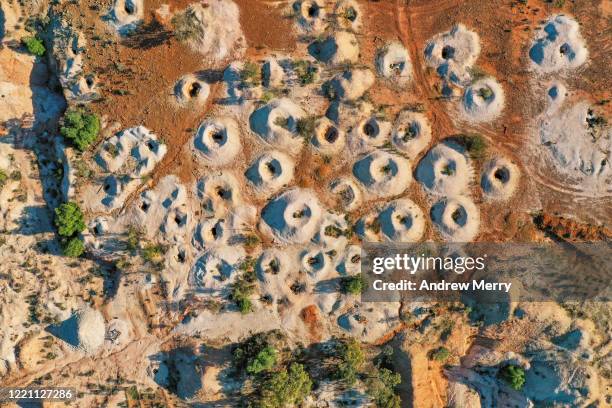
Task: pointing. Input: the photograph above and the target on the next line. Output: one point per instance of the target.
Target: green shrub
(3, 178)
(381, 388)
(69, 219)
(514, 376)
(186, 26)
(286, 388)
(306, 126)
(440, 354)
(351, 359)
(153, 253)
(263, 361)
(250, 73)
(353, 284)
(80, 128)
(34, 45)
(73, 247)
(305, 71)
(474, 143)
(244, 287)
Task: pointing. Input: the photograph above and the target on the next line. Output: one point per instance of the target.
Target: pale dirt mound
(339, 48)
(500, 178)
(393, 63)
(452, 53)
(369, 132)
(411, 133)
(348, 194)
(219, 193)
(191, 90)
(558, 46)
(348, 15)
(218, 141)
(402, 221)
(457, 219)
(383, 174)
(483, 101)
(311, 15)
(217, 28)
(270, 172)
(215, 270)
(292, 217)
(126, 15)
(84, 330)
(328, 138)
(276, 123)
(351, 84)
(445, 170)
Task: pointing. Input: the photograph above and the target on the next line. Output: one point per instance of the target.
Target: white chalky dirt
(191, 90)
(352, 84)
(328, 138)
(393, 63)
(270, 172)
(558, 46)
(444, 170)
(219, 28)
(215, 270)
(84, 330)
(339, 48)
(369, 132)
(276, 124)
(218, 141)
(453, 52)
(457, 218)
(383, 174)
(127, 15)
(348, 15)
(370, 321)
(578, 150)
(311, 15)
(219, 193)
(483, 101)
(411, 133)
(500, 178)
(293, 217)
(402, 221)
(556, 93)
(348, 193)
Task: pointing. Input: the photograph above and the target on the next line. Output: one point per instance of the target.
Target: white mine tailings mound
(276, 123)
(84, 330)
(402, 221)
(483, 101)
(556, 94)
(453, 52)
(580, 143)
(341, 47)
(218, 141)
(311, 14)
(271, 172)
(349, 194)
(217, 26)
(411, 133)
(348, 15)
(370, 132)
(558, 46)
(351, 84)
(219, 193)
(273, 270)
(457, 219)
(328, 137)
(215, 270)
(293, 217)
(444, 170)
(500, 178)
(191, 89)
(126, 15)
(393, 63)
(383, 174)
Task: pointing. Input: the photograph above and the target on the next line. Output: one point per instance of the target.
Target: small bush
(263, 361)
(186, 26)
(69, 219)
(306, 126)
(353, 284)
(351, 359)
(305, 71)
(286, 388)
(73, 248)
(153, 253)
(440, 354)
(244, 287)
(514, 376)
(250, 73)
(34, 45)
(80, 128)
(3, 178)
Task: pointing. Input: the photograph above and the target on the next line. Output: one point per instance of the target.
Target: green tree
(353, 284)
(80, 128)
(263, 361)
(73, 247)
(514, 376)
(34, 45)
(69, 219)
(440, 354)
(352, 358)
(381, 388)
(286, 388)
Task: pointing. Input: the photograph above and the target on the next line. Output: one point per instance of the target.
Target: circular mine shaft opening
(194, 89)
(502, 174)
(351, 14)
(331, 134)
(448, 52)
(223, 193)
(312, 10)
(459, 216)
(370, 129)
(273, 168)
(218, 136)
(129, 7)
